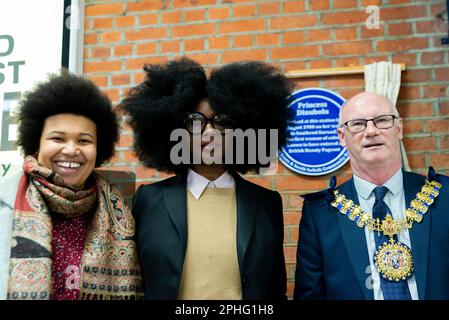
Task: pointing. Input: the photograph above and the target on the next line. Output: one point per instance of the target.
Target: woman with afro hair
(207, 233)
(66, 232)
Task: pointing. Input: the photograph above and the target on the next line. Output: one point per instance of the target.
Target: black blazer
(160, 213)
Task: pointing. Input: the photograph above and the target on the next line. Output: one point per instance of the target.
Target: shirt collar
(365, 188)
(196, 183)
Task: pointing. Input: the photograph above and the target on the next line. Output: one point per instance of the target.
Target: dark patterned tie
(392, 290)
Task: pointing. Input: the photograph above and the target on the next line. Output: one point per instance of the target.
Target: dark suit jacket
(332, 256)
(160, 212)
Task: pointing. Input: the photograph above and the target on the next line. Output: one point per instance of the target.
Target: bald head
(364, 100)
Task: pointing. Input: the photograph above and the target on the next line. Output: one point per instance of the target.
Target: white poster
(36, 38)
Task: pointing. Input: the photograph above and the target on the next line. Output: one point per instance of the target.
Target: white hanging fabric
(384, 78)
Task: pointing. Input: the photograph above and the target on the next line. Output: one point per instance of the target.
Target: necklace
(393, 260)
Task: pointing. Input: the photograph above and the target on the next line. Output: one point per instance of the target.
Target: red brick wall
(120, 36)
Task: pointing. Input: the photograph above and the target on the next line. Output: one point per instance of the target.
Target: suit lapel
(247, 207)
(175, 199)
(355, 241)
(419, 234)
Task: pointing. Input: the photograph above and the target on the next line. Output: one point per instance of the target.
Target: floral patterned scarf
(109, 267)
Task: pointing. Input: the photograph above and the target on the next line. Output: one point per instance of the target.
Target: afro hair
(67, 93)
(253, 93)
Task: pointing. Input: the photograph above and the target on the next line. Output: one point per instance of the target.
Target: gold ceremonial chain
(394, 259)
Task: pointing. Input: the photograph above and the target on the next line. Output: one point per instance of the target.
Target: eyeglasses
(220, 122)
(381, 122)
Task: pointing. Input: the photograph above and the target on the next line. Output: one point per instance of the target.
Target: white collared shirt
(196, 183)
(395, 200)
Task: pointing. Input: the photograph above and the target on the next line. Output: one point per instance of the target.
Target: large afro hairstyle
(67, 93)
(253, 93)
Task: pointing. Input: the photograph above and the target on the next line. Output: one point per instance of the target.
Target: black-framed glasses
(196, 122)
(380, 122)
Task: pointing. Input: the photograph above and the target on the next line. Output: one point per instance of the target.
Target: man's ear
(341, 136)
(400, 128)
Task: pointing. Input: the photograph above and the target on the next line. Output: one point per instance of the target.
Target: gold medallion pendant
(394, 261)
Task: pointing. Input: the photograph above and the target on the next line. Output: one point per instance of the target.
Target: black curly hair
(67, 93)
(253, 93)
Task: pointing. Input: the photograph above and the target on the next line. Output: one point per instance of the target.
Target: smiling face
(68, 146)
(372, 148)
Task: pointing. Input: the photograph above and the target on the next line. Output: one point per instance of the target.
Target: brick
(171, 17)
(433, 57)
(414, 126)
(220, 13)
(110, 37)
(148, 19)
(402, 13)
(194, 15)
(292, 217)
(149, 5)
(345, 34)
(205, 58)
(244, 11)
(243, 41)
(216, 43)
(400, 29)
(294, 6)
(254, 54)
(194, 44)
(415, 109)
(146, 34)
(347, 17)
(123, 50)
(407, 92)
(290, 254)
(405, 58)
(103, 52)
(103, 66)
(402, 44)
(104, 9)
(318, 35)
(439, 125)
(436, 91)
(318, 64)
(318, 5)
(294, 183)
(284, 23)
(148, 48)
(416, 160)
(347, 62)
(443, 108)
(296, 65)
(125, 21)
(121, 80)
(266, 9)
(440, 161)
(441, 74)
(189, 3)
(347, 48)
(416, 75)
(422, 144)
(130, 157)
(297, 52)
(347, 81)
(194, 30)
(267, 39)
(293, 37)
(346, 4)
(102, 23)
(444, 143)
(90, 38)
(100, 81)
(373, 33)
(242, 26)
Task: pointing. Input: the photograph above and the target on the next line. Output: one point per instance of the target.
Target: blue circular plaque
(313, 147)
